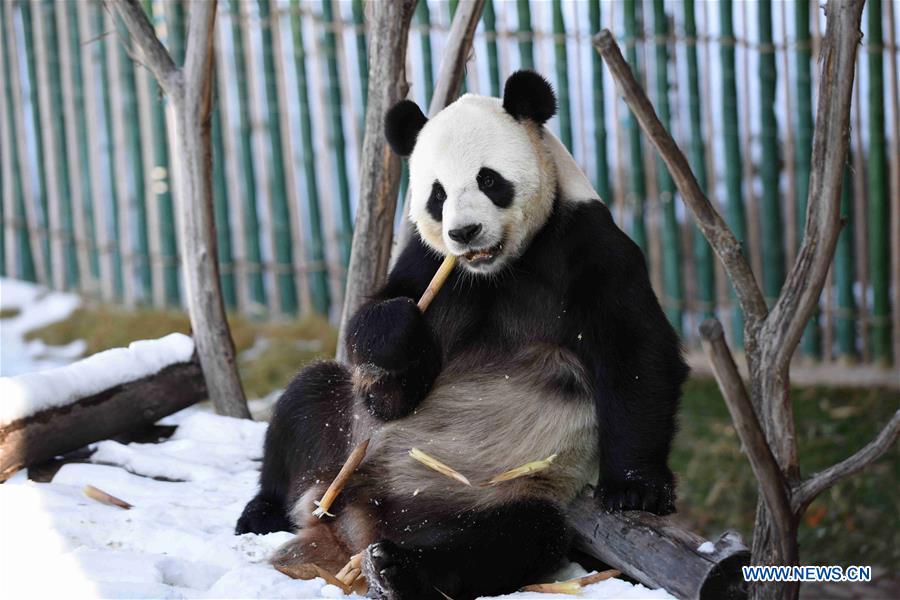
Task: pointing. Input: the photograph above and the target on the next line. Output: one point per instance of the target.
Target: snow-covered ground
(187, 492)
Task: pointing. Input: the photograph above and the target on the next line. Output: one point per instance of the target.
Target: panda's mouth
(483, 256)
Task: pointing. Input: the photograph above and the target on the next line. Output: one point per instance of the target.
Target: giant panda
(546, 339)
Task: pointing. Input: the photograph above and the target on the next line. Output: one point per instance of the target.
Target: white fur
(472, 133)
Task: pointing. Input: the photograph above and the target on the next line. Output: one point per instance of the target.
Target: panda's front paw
(650, 492)
(389, 334)
(393, 573)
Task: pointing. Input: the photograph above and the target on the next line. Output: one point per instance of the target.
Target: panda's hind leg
(308, 437)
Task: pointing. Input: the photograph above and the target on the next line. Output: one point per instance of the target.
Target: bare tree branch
(379, 178)
(710, 221)
(155, 54)
(771, 480)
(807, 491)
(449, 80)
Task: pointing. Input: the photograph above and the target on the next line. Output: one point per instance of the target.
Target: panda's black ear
(402, 125)
(527, 95)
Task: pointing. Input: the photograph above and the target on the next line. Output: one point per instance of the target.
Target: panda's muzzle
(483, 255)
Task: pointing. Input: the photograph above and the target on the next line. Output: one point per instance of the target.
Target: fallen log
(59, 429)
(660, 554)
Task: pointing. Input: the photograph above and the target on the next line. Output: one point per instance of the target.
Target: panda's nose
(465, 234)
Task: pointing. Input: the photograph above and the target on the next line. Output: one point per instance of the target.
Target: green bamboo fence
(879, 216)
(489, 18)
(362, 54)
(336, 130)
(601, 163)
(526, 35)
(280, 217)
(674, 293)
(734, 212)
(637, 186)
(845, 324)
(423, 22)
(562, 75)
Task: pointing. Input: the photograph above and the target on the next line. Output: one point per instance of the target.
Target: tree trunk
(379, 168)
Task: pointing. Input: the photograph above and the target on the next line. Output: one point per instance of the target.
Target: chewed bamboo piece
(436, 465)
(307, 571)
(572, 586)
(351, 575)
(524, 470)
(104, 498)
(359, 453)
(437, 282)
(353, 461)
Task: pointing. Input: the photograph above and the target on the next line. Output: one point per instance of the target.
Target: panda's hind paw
(655, 494)
(392, 573)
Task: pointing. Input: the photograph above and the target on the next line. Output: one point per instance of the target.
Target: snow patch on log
(30, 393)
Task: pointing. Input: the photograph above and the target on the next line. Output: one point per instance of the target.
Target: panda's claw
(650, 494)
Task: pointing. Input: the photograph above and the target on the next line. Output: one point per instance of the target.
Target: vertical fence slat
(42, 211)
(490, 33)
(298, 254)
(280, 221)
(125, 196)
(317, 266)
(11, 191)
(810, 344)
(423, 22)
(637, 187)
(879, 216)
(702, 252)
(895, 173)
(733, 177)
(561, 63)
(674, 294)
(252, 266)
(845, 324)
(526, 34)
(860, 220)
(336, 119)
(77, 149)
(34, 266)
(750, 200)
(772, 247)
(599, 107)
(362, 53)
(789, 212)
(221, 199)
(48, 131)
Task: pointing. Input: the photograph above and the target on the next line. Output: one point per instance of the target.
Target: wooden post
(191, 91)
(380, 167)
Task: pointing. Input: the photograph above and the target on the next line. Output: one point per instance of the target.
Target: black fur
(435, 204)
(581, 285)
(527, 95)
(500, 190)
(402, 125)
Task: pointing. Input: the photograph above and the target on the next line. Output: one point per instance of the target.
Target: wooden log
(659, 553)
(122, 408)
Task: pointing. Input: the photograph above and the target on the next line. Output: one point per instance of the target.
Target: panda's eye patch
(496, 187)
(435, 204)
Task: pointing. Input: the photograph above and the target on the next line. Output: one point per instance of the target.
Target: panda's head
(481, 177)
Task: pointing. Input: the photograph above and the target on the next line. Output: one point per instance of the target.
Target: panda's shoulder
(588, 234)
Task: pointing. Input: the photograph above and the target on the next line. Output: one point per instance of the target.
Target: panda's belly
(486, 419)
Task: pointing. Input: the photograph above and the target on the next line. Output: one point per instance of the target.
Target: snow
(706, 548)
(178, 540)
(26, 394)
(36, 308)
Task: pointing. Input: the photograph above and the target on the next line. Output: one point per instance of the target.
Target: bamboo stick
(879, 213)
(770, 205)
(105, 498)
(601, 162)
(353, 461)
(572, 586)
(526, 35)
(278, 201)
(562, 76)
(436, 465)
(318, 273)
(440, 277)
(734, 213)
(336, 126)
(843, 269)
(671, 256)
